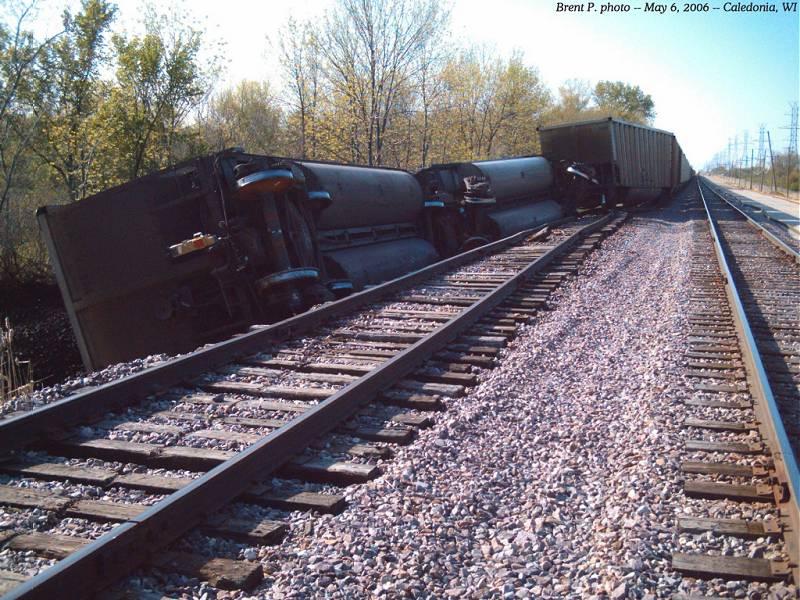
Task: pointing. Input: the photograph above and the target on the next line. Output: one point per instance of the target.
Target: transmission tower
(793, 131)
(791, 150)
(746, 145)
(729, 158)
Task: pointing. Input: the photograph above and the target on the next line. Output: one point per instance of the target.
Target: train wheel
(473, 242)
(290, 277)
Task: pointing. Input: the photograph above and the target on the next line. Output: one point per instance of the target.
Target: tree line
(372, 82)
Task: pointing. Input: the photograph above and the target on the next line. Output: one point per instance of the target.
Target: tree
(574, 102)
(69, 93)
(491, 107)
(20, 55)
(625, 101)
(20, 63)
(370, 50)
(525, 99)
(247, 115)
(303, 71)
(470, 105)
(159, 81)
(429, 91)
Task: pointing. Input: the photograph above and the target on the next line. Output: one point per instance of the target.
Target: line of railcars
(631, 163)
(202, 250)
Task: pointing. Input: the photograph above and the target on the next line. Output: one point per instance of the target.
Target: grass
(16, 376)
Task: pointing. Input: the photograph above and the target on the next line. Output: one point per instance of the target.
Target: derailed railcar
(183, 256)
(200, 251)
(632, 163)
(370, 228)
(485, 200)
(197, 252)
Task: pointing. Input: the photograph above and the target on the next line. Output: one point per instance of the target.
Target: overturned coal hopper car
(197, 252)
(371, 230)
(482, 201)
(632, 163)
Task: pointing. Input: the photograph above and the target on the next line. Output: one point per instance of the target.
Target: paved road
(779, 209)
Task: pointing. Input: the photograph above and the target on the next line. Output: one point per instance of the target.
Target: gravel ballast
(558, 476)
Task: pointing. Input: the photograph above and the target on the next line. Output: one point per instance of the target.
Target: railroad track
(767, 274)
(318, 398)
(742, 369)
(774, 230)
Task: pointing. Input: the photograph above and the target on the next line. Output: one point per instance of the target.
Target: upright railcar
(682, 171)
(632, 163)
(685, 170)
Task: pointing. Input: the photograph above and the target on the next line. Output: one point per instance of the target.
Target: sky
(712, 75)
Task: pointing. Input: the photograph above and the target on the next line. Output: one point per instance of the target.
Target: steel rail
(771, 237)
(115, 554)
(769, 419)
(25, 429)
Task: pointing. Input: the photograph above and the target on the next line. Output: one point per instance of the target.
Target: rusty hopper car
(200, 251)
(633, 163)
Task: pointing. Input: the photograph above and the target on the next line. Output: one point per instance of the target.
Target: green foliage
(20, 63)
(628, 102)
(247, 115)
(491, 107)
(23, 255)
(20, 53)
(578, 101)
(68, 130)
(374, 83)
(67, 95)
(574, 103)
(369, 53)
(159, 81)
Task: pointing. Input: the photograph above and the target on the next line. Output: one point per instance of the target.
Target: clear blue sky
(712, 76)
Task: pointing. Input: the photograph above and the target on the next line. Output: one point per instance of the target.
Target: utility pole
(751, 167)
(791, 151)
(762, 155)
(746, 144)
(729, 157)
(743, 172)
(772, 163)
